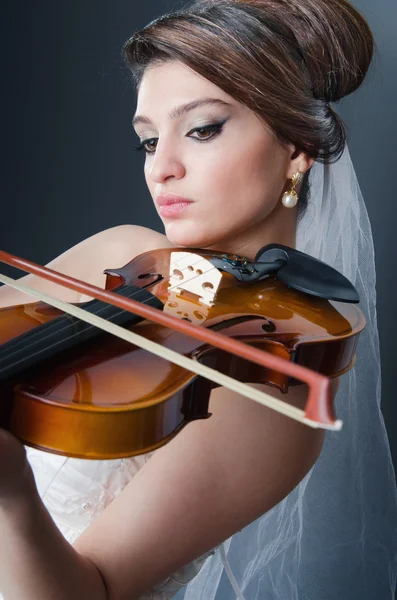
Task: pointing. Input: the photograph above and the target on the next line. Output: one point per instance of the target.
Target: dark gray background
(371, 116)
(67, 165)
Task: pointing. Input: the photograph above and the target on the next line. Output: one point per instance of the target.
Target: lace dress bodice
(76, 491)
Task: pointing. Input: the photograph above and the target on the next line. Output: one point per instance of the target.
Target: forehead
(173, 83)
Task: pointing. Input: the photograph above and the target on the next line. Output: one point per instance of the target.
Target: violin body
(106, 398)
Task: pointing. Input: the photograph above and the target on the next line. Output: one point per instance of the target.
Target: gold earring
(290, 199)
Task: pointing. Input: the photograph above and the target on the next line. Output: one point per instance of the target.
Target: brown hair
(284, 59)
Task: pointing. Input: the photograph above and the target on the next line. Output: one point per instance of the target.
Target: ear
(298, 162)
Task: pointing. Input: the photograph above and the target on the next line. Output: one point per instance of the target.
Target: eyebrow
(179, 111)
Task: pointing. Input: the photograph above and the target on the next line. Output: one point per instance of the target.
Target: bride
(234, 106)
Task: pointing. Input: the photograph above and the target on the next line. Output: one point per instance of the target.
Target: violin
(120, 375)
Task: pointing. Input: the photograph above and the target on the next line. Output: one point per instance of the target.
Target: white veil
(335, 535)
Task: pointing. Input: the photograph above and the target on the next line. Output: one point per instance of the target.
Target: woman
(233, 107)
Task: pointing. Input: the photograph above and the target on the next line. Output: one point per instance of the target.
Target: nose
(165, 164)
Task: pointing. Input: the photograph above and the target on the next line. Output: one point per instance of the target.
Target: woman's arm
(214, 478)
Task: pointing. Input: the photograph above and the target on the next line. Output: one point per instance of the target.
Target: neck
(279, 227)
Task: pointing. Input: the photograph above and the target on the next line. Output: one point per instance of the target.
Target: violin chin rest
(307, 274)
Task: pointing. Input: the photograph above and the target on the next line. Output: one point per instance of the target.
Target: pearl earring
(290, 199)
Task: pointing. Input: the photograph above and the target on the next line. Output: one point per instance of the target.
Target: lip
(165, 199)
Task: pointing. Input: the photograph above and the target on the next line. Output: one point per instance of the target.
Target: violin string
(30, 339)
(22, 344)
(54, 325)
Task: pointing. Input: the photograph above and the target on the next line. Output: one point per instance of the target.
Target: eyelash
(214, 128)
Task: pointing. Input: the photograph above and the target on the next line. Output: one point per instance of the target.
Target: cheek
(249, 180)
(148, 180)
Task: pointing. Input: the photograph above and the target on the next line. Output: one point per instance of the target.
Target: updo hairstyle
(287, 60)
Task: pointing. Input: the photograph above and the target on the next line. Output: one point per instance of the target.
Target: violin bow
(319, 411)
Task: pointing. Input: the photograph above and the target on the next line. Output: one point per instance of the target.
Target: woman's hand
(16, 476)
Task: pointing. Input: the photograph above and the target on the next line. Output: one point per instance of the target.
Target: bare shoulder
(112, 247)
(124, 242)
(87, 260)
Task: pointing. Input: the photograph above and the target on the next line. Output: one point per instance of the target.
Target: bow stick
(319, 407)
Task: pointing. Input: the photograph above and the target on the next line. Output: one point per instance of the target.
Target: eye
(146, 145)
(207, 131)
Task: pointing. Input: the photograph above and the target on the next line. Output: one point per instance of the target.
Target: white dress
(76, 491)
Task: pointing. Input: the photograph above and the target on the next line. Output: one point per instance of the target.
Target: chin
(183, 238)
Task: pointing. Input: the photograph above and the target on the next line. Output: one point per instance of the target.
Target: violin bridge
(193, 283)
